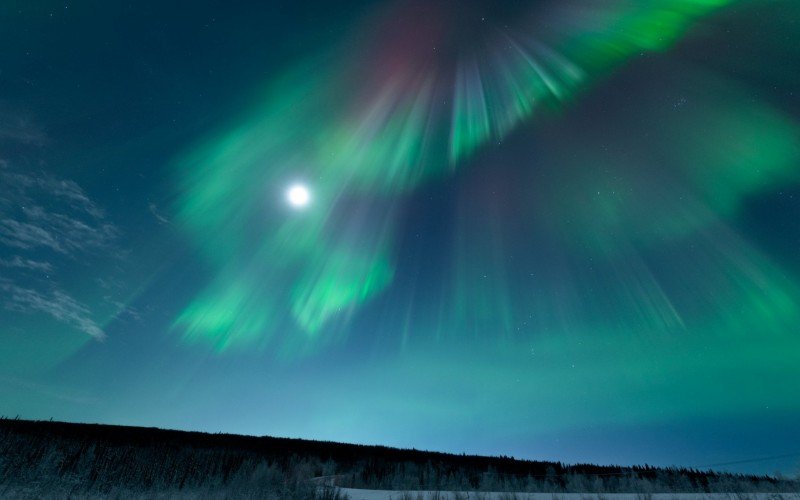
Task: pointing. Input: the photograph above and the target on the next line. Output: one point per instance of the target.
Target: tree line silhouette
(55, 458)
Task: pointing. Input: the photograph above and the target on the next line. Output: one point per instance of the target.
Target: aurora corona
(379, 131)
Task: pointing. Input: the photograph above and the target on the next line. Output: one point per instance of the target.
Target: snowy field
(358, 494)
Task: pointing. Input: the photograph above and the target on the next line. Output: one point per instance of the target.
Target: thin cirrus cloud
(19, 129)
(71, 223)
(55, 303)
(153, 208)
(43, 221)
(62, 233)
(21, 263)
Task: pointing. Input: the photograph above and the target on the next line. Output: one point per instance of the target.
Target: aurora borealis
(564, 230)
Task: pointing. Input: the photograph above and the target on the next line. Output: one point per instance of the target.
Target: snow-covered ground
(357, 494)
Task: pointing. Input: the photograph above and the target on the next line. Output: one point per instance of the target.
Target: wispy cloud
(153, 208)
(55, 304)
(71, 223)
(19, 129)
(21, 263)
(43, 220)
(26, 236)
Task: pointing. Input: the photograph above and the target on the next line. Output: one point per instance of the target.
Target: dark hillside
(65, 458)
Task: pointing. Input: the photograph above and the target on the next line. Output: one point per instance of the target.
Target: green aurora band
(371, 125)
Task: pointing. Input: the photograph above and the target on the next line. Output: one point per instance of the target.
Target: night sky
(556, 229)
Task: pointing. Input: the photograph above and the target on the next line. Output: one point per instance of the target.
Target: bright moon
(298, 196)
